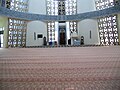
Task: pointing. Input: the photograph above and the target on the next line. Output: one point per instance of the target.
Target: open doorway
(62, 35)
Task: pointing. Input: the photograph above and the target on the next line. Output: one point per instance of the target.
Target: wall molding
(33, 17)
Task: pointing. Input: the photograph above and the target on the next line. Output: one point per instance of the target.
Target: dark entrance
(62, 35)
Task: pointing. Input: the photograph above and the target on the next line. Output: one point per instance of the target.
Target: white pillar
(118, 22)
(72, 41)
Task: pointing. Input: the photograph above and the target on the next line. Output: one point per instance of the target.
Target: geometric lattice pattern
(73, 26)
(17, 33)
(70, 7)
(8, 4)
(16, 27)
(61, 7)
(60, 68)
(52, 7)
(51, 31)
(17, 5)
(103, 4)
(108, 30)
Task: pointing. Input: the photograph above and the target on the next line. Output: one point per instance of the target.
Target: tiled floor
(65, 68)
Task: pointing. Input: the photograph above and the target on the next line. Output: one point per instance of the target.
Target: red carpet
(76, 68)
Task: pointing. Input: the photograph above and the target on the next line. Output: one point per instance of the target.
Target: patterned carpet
(64, 68)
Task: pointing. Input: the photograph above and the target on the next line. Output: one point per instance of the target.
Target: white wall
(87, 25)
(36, 27)
(85, 6)
(39, 27)
(37, 6)
(4, 24)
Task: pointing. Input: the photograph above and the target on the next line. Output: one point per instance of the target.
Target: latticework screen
(16, 27)
(17, 33)
(51, 31)
(61, 7)
(108, 30)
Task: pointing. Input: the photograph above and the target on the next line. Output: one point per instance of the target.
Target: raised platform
(57, 46)
(76, 68)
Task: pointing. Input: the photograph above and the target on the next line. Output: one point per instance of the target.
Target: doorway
(62, 35)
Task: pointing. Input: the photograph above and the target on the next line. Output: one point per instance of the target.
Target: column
(118, 22)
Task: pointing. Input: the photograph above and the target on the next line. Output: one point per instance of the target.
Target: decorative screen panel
(108, 30)
(116, 2)
(8, 4)
(61, 7)
(17, 33)
(103, 4)
(51, 31)
(19, 5)
(16, 27)
(73, 26)
(52, 7)
(70, 7)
